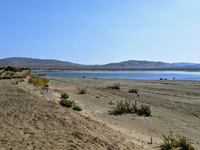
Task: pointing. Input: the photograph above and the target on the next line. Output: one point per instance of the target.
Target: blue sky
(101, 31)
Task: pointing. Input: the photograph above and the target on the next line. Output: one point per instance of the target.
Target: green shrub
(70, 104)
(127, 107)
(185, 144)
(67, 103)
(64, 96)
(144, 110)
(171, 143)
(123, 107)
(97, 97)
(31, 81)
(77, 108)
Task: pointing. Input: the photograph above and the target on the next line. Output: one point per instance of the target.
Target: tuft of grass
(82, 90)
(97, 97)
(133, 91)
(115, 86)
(128, 107)
(64, 96)
(171, 142)
(43, 82)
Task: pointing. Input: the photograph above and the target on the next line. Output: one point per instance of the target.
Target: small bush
(144, 110)
(127, 107)
(97, 97)
(82, 90)
(185, 144)
(115, 86)
(134, 91)
(77, 108)
(171, 143)
(123, 108)
(67, 103)
(64, 96)
(70, 104)
(39, 81)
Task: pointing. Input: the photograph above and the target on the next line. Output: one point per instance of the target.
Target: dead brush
(115, 86)
(134, 91)
(82, 90)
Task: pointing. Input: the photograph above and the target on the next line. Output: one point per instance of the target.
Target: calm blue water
(179, 75)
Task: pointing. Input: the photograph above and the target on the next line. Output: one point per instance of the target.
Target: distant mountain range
(125, 65)
(181, 64)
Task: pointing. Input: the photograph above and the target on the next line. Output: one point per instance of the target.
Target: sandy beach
(32, 118)
(174, 104)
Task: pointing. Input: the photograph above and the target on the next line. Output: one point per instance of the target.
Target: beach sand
(175, 107)
(31, 117)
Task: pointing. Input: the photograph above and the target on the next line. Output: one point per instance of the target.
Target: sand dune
(31, 117)
(28, 120)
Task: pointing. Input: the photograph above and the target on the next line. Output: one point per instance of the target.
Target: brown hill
(56, 64)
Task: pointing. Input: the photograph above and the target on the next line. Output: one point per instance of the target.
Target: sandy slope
(175, 107)
(29, 119)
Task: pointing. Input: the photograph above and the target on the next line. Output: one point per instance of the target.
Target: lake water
(179, 75)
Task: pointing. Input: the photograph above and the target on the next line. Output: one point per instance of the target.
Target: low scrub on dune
(171, 143)
(64, 96)
(128, 107)
(43, 82)
(69, 103)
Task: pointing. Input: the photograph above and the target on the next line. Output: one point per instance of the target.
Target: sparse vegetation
(171, 143)
(82, 90)
(64, 96)
(115, 86)
(10, 68)
(144, 110)
(77, 108)
(128, 107)
(134, 91)
(68, 103)
(43, 82)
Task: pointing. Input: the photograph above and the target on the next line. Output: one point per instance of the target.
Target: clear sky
(101, 31)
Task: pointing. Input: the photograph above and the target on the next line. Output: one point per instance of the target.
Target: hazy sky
(101, 31)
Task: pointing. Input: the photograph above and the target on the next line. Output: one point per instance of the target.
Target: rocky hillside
(56, 64)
